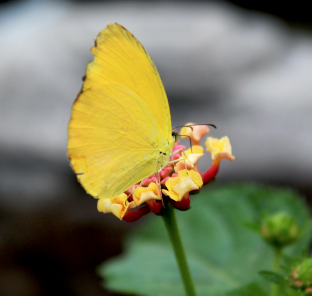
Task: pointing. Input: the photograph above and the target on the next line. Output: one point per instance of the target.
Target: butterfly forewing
(120, 121)
(119, 58)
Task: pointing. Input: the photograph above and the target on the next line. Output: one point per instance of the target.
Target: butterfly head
(175, 135)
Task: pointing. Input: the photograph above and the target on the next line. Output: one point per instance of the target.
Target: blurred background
(245, 66)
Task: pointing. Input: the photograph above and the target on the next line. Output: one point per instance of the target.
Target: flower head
(298, 275)
(301, 275)
(174, 183)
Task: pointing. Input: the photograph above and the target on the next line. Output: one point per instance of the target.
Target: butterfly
(120, 130)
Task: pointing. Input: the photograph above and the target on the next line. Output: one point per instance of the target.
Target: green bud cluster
(280, 230)
(301, 276)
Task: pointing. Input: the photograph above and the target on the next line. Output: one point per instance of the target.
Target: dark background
(51, 235)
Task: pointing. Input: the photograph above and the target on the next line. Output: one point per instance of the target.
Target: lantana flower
(189, 158)
(118, 205)
(219, 149)
(195, 132)
(185, 182)
(175, 182)
(149, 195)
(301, 276)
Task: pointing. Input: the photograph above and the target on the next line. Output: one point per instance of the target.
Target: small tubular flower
(165, 172)
(147, 181)
(184, 183)
(196, 132)
(197, 179)
(219, 148)
(118, 205)
(145, 194)
(191, 157)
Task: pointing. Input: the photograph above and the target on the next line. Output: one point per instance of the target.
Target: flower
(301, 276)
(184, 183)
(219, 148)
(145, 194)
(148, 195)
(189, 158)
(118, 205)
(196, 132)
(174, 183)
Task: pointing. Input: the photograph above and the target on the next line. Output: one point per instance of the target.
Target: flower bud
(301, 276)
(280, 230)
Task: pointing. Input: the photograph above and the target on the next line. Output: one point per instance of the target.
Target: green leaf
(222, 253)
(249, 290)
(253, 226)
(274, 277)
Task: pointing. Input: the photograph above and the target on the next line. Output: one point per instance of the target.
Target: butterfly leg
(182, 151)
(159, 187)
(140, 185)
(177, 151)
(174, 161)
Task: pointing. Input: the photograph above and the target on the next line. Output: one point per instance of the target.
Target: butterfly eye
(175, 135)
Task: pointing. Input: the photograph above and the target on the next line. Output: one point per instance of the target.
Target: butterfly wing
(119, 58)
(121, 118)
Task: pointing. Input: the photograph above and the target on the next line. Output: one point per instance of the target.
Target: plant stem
(173, 231)
(276, 263)
(277, 256)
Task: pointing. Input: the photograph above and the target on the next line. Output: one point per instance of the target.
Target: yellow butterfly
(120, 129)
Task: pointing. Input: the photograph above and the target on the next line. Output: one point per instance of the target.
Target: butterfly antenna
(191, 125)
(183, 126)
(190, 141)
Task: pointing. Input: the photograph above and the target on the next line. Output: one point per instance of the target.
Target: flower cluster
(177, 180)
(301, 276)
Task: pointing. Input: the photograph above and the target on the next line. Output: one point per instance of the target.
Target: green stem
(173, 231)
(277, 256)
(276, 264)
